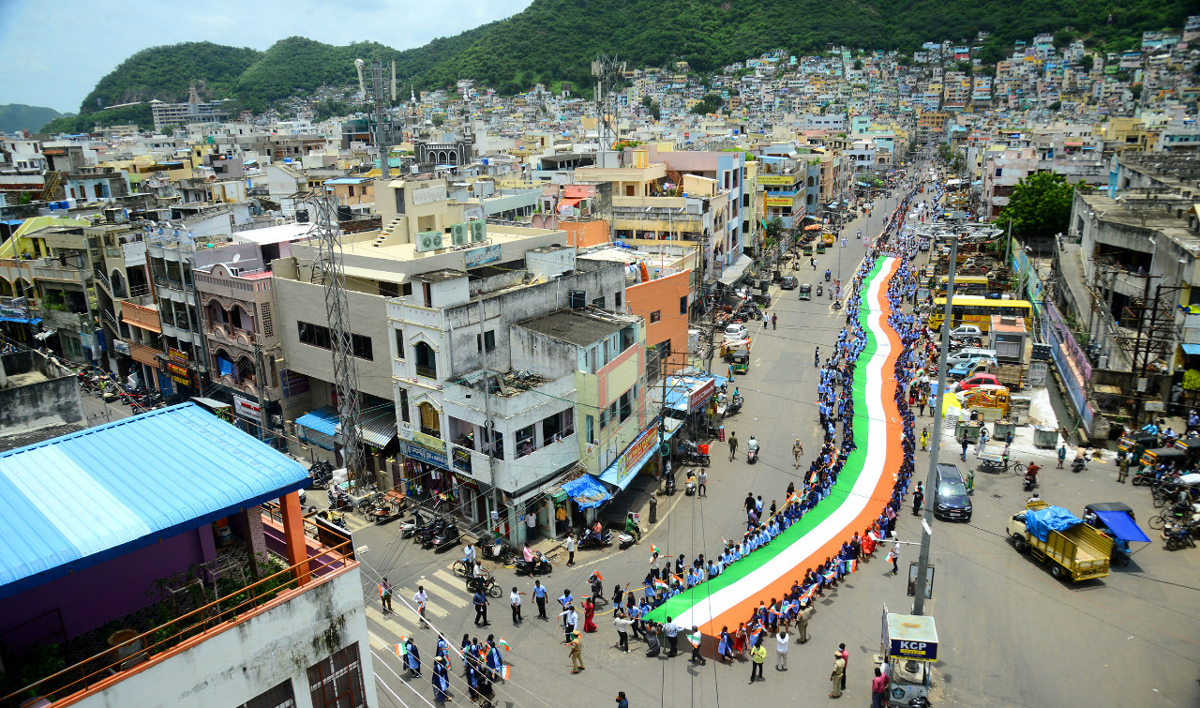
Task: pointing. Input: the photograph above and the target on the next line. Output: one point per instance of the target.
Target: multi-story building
(194, 110)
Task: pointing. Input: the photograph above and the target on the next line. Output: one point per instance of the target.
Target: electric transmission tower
(337, 311)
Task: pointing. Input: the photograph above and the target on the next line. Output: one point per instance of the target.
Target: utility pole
(931, 477)
(261, 388)
(488, 428)
(382, 136)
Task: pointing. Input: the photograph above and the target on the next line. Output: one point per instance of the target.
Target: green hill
(15, 117)
(557, 40)
(138, 114)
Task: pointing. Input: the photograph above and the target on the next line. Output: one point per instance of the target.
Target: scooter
(828, 275)
(1030, 482)
(669, 484)
(588, 540)
(625, 540)
(408, 528)
(735, 405)
(1177, 537)
(689, 487)
(538, 566)
(496, 549)
(690, 454)
(820, 289)
(751, 455)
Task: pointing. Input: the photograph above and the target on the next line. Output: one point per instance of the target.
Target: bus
(971, 285)
(978, 311)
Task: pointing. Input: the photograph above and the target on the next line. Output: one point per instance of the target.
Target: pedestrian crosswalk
(446, 592)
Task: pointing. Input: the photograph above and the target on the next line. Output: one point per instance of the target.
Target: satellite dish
(236, 257)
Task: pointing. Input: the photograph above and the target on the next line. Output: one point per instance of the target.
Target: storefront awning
(378, 428)
(587, 492)
(689, 393)
(318, 427)
(734, 273)
(1191, 349)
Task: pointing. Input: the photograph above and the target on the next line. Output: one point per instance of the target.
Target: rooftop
(579, 327)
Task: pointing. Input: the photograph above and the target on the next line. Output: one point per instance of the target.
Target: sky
(54, 51)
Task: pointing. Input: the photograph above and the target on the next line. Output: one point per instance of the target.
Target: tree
(1057, 105)
(1040, 206)
(1087, 62)
(773, 231)
(858, 64)
(438, 120)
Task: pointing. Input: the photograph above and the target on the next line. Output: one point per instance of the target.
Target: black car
(950, 500)
(788, 282)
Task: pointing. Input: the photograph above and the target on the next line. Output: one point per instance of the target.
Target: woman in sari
(589, 616)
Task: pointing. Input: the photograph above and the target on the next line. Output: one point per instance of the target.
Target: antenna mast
(337, 312)
(609, 74)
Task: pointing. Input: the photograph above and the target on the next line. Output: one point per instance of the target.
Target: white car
(964, 331)
(736, 332)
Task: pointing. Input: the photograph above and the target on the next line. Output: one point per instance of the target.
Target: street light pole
(931, 477)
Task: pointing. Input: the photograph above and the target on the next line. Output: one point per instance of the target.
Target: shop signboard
(628, 462)
(414, 451)
(698, 397)
(245, 408)
(177, 367)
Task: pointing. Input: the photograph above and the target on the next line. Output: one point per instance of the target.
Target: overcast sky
(54, 51)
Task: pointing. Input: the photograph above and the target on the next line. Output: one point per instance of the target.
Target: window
(626, 405)
(590, 423)
(403, 405)
(399, 200)
(399, 343)
(280, 696)
(360, 346)
(656, 316)
(314, 335)
(486, 340)
(683, 305)
(617, 300)
(431, 422)
(336, 682)
(558, 426)
(426, 360)
(525, 442)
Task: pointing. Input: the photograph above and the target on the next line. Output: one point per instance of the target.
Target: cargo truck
(1054, 536)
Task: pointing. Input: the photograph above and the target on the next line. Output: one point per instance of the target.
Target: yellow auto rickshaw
(739, 361)
(807, 250)
(820, 246)
(827, 238)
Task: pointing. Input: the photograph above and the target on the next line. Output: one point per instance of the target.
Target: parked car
(968, 353)
(976, 380)
(788, 282)
(966, 332)
(976, 365)
(950, 500)
(736, 332)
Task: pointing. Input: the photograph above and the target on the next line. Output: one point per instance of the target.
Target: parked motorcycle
(735, 405)
(410, 527)
(1177, 537)
(538, 566)
(690, 453)
(1079, 464)
(496, 548)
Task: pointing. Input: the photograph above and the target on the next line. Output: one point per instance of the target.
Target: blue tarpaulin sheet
(1041, 522)
(323, 420)
(587, 492)
(1122, 526)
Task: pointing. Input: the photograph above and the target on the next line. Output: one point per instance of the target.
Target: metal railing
(197, 623)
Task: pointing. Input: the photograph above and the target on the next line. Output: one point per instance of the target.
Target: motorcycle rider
(527, 553)
(828, 274)
(598, 532)
(752, 445)
(632, 528)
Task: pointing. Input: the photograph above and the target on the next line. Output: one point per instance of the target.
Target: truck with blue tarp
(1055, 536)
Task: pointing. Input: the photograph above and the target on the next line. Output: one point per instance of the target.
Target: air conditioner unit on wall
(460, 234)
(478, 230)
(429, 241)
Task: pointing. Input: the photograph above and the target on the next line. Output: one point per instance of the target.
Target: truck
(1054, 536)
(1011, 375)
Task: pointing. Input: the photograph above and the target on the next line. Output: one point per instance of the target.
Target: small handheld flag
(503, 645)
(891, 556)
(505, 671)
(694, 639)
(380, 590)
(402, 648)
(598, 576)
(851, 565)
(660, 584)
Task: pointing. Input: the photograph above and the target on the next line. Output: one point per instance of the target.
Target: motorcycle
(820, 289)
(735, 405)
(426, 534)
(1177, 537)
(408, 528)
(339, 500)
(828, 275)
(538, 566)
(1030, 482)
(1079, 464)
(669, 484)
(497, 549)
(486, 584)
(751, 455)
(588, 540)
(691, 454)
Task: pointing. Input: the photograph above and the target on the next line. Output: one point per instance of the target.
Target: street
(1010, 634)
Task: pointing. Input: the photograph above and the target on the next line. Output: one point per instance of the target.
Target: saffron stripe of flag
(654, 549)
(503, 644)
(380, 590)
(505, 671)
(598, 576)
(891, 557)
(661, 584)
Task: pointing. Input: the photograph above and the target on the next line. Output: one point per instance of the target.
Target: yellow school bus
(978, 311)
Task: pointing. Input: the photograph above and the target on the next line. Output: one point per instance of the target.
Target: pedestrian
(733, 445)
(539, 596)
(571, 544)
(441, 680)
(918, 497)
(515, 600)
(560, 518)
(589, 615)
(894, 557)
(481, 603)
(1062, 455)
(577, 653)
(694, 640)
(671, 631)
(420, 598)
(781, 650)
(766, 321)
(570, 622)
(621, 701)
(1122, 468)
(774, 318)
(758, 655)
(622, 623)
(731, 372)
(385, 596)
(412, 658)
(817, 356)
(797, 452)
(965, 444)
(652, 644)
(845, 658)
(924, 439)
(878, 688)
(981, 444)
(839, 671)
(702, 483)
(802, 626)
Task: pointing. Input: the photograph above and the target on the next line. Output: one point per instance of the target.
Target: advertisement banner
(633, 454)
(414, 451)
(482, 256)
(245, 408)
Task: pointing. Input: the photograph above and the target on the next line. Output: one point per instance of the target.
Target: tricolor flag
(503, 645)
(808, 594)
(505, 671)
(754, 635)
(598, 576)
(694, 639)
(661, 584)
(851, 565)
(891, 556)
(654, 549)
(402, 648)
(830, 575)
(676, 576)
(380, 590)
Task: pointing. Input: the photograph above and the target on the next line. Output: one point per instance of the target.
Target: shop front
(427, 477)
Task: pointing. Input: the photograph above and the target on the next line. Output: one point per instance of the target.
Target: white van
(968, 353)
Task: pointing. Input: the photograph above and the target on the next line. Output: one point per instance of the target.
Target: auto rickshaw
(805, 291)
(807, 250)
(827, 238)
(1137, 437)
(739, 360)
(820, 246)
(1191, 448)
(1168, 455)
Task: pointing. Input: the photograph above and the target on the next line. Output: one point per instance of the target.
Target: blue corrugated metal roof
(323, 420)
(76, 500)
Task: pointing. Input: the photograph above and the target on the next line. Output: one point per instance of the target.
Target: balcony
(141, 316)
(144, 354)
(185, 621)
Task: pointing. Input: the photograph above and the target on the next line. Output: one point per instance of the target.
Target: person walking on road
(924, 439)
(774, 320)
(758, 655)
(385, 596)
(918, 497)
(878, 688)
(577, 653)
(846, 660)
(671, 630)
(733, 446)
(694, 640)
(1122, 468)
(1062, 455)
(702, 483)
(802, 627)
(965, 444)
(539, 596)
(797, 452)
(781, 650)
(817, 356)
(839, 672)
(570, 545)
(894, 557)
(420, 598)
(622, 624)
(570, 622)
(481, 603)
(515, 600)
